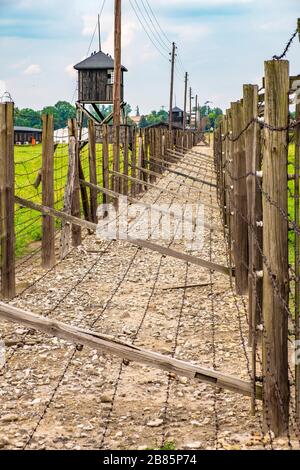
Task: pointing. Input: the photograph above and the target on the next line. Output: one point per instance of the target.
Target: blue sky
(221, 43)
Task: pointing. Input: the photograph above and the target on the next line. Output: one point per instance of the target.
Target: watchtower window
(110, 77)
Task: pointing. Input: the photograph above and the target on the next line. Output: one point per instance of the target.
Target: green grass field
(28, 163)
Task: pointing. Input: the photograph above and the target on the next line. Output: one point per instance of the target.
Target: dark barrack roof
(97, 61)
(26, 129)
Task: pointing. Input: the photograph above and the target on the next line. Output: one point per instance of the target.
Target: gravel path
(54, 396)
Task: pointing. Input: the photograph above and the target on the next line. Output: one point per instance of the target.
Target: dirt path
(53, 396)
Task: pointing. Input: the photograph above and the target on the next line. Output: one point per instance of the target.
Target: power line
(145, 29)
(162, 40)
(157, 22)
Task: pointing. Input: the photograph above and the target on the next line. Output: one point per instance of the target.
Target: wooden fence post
(125, 184)
(76, 229)
(275, 242)
(240, 241)
(140, 160)
(93, 171)
(7, 203)
(297, 256)
(133, 162)
(48, 225)
(105, 161)
(254, 198)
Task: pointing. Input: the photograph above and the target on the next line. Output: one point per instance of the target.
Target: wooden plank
(297, 259)
(125, 184)
(48, 226)
(93, 171)
(254, 201)
(108, 345)
(133, 161)
(68, 197)
(240, 240)
(7, 190)
(141, 243)
(140, 161)
(105, 160)
(75, 209)
(275, 242)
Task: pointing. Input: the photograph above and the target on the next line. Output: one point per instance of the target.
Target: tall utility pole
(185, 100)
(117, 92)
(99, 33)
(172, 86)
(196, 115)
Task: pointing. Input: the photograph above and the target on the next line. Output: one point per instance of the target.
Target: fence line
(253, 161)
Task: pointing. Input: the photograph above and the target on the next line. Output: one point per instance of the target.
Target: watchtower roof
(97, 61)
(177, 110)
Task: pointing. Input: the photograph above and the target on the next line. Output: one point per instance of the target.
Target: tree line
(62, 111)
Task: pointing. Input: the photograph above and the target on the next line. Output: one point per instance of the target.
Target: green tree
(27, 118)
(65, 111)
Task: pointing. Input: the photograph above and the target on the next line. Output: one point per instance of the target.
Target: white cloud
(70, 70)
(33, 69)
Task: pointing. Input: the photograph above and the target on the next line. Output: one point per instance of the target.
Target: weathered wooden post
(140, 160)
(93, 171)
(76, 229)
(297, 262)
(297, 256)
(48, 226)
(125, 163)
(240, 240)
(254, 201)
(7, 203)
(275, 242)
(105, 161)
(133, 162)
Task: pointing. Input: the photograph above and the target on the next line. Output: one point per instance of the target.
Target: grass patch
(28, 163)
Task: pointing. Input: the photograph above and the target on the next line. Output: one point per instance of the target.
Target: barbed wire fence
(256, 151)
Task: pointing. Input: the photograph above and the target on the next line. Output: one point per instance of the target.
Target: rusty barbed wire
(287, 47)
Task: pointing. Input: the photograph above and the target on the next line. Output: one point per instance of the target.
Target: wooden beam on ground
(108, 345)
(141, 243)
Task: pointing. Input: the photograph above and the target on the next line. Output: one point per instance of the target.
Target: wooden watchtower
(95, 84)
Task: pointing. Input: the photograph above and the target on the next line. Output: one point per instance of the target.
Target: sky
(222, 44)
